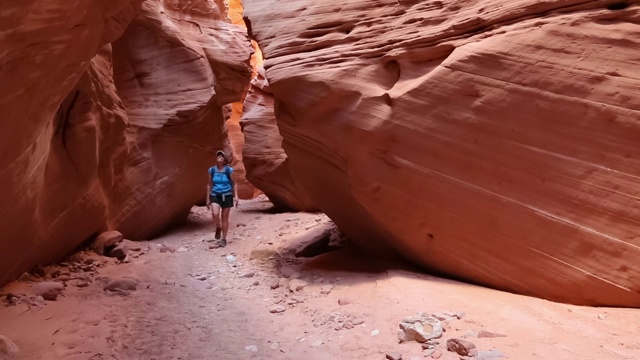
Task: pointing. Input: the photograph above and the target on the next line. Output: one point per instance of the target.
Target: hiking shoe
(218, 233)
(222, 243)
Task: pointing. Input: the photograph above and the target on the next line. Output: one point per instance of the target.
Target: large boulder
(113, 112)
(491, 141)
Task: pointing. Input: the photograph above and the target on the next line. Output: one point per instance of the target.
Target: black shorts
(225, 201)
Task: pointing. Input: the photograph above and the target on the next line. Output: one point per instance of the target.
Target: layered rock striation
(112, 115)
(265, 160)
(492, 141)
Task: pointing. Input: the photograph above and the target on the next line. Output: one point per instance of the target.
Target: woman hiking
(222, 194)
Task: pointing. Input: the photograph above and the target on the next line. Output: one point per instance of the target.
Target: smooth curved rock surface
(112, 111)
(493, 141)
(265, 160)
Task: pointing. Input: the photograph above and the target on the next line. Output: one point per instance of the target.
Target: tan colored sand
(179, 317)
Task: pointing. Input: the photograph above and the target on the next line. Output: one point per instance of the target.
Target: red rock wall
(265, 160)
(104, 136)
(492, 141)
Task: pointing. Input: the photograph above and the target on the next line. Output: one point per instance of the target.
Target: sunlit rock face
(492, 141)
(112, 111)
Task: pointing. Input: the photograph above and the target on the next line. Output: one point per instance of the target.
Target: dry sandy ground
(174, 315)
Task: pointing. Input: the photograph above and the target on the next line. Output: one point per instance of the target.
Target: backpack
(227, 171)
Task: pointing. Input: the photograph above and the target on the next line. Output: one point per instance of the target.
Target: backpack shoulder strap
(227, 171)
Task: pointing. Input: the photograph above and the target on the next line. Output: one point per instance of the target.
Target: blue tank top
(221, 184)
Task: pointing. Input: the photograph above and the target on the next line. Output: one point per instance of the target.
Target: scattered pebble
(251, 348)
(231, 258)
(248, 275)
(375, 333)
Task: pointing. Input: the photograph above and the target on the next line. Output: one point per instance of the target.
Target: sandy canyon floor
(193, 302)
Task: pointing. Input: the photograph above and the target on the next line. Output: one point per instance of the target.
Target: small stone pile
(426, 329)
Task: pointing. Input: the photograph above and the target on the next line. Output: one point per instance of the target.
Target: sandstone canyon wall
(112, 113)
(265, 160)
(492, 141)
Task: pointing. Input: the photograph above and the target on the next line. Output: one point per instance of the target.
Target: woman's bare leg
(215, 213)
(225, 222)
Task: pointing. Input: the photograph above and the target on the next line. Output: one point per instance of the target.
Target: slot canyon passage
(437, 179)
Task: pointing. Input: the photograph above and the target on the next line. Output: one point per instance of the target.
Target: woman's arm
(208, 192)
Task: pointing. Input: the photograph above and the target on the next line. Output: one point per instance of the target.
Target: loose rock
(461, 347)
(375, 332)
(121, 284)
(248, 275)
(276, 309)
(326, 289)
(251, 348)
(8, 350)
(296, 285)
(317, 343)
(345, 301)
(166, 249)
(120, 251)
(437, 354)
(104, 241)
(48, 290)
(420, 328)
(37, 301)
